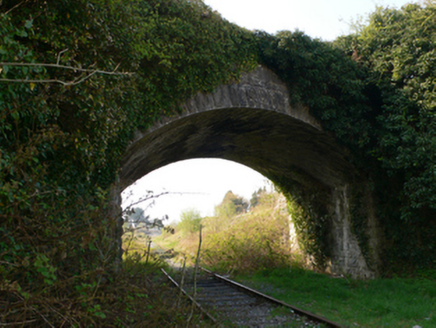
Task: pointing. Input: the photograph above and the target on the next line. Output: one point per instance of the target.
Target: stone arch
(251, 122)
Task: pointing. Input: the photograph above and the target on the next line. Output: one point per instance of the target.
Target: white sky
(204, 182)
(196, 183)
(324, 19)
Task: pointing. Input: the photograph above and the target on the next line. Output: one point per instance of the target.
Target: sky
(198, 184)
(201, 184)
(323, 19)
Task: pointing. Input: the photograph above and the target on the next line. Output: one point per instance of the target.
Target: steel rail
(311, 316)
(297, 310)
(215, 321)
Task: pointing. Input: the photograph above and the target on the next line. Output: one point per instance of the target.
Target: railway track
(231, 304)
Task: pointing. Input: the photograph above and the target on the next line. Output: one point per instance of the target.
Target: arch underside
(274, 144)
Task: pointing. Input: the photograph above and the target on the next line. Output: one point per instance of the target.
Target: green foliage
(397, 49)
(190, 222)
(254, 240)
(306, 206)
(321, 77)
(43, 266)
(374, 91)
(359, 221)
(226, 210)
(231, 205)
(55, 141)
(189, 49)
(96, 71)
(256, 197)
(398, 46)
(240, 242)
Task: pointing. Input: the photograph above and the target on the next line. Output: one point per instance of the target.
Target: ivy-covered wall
(374, 90)
(336, 226)
(77, 78)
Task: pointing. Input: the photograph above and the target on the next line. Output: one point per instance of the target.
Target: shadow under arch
(274, 144)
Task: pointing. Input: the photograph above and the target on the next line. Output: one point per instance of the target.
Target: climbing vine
(307, 201)
(77, 78)
(375, 92)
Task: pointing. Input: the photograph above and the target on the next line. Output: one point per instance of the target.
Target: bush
(251, 241)
(190, 222)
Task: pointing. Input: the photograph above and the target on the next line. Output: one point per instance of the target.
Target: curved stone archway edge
(251, 122)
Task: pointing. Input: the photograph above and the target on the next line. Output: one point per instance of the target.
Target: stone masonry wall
(347, 257)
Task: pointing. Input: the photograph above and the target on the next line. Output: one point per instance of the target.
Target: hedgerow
(77, 78)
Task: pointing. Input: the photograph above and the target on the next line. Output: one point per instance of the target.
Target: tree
(231, 204)
(256, 197)
(398, 44)
(135, 216)
(190, 222)
(398, 48)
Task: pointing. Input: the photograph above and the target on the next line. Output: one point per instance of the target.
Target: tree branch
(47, 81)
(152, 196)
(22, 323)
(76, 69)
(17, 5)
(60, 54)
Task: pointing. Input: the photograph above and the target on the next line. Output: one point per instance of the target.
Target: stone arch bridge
(251, 122)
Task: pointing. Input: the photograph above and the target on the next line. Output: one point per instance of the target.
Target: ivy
(374, 91)
(77, 79)
(308, 211)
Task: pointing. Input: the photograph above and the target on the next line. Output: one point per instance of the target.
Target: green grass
(397, 302)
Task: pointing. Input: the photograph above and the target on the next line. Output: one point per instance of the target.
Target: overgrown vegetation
(250, 241)
(235, 240)
(77, 78)
(397, 50)
(91, 73)
(375, 91)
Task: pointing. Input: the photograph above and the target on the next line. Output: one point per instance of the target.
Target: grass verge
(397, 302)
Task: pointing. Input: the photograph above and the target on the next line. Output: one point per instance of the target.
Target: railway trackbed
(230, 304)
